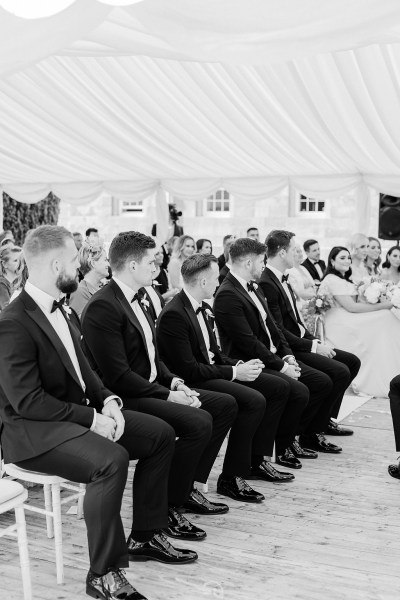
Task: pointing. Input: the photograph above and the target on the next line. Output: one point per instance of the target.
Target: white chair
(13, 496)
(52, 499)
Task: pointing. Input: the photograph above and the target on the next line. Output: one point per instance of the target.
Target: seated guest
(161, 277)
(204, 246)
(313, 263)
(9, 265)
(373, 260)
(341, 367)
(183, 247)
(78, 239)
(59, 419)
(94, 267)
(358, 248)
(394, 396)
(7, 239)
(154, 298)
(21, 277)
(226, 240)
(391, 266)
(187, 344)
(92, 236)
(253, 233)
(300, 279)
(120, 339)
(247, 330)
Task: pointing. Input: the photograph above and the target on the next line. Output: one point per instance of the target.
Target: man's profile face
(145, 269)
(314, 252)
(254, 235)
(93, 238)
(68, 278)
(257, 266)
(211, 280)
(78, 239)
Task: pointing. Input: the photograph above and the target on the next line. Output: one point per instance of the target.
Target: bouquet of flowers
(316, 307)
(393, 294)
(373, 290)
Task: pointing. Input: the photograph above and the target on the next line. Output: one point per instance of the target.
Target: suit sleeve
(102, 331)
(231, 319)
(175, 348)
(272, 295)
(21, 381)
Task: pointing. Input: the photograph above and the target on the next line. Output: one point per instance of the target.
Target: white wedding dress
(373, 336)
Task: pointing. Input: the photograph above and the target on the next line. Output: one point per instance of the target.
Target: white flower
(394, 296)
(373, 292)
(145, 302)
(318, 302)
(67, 310)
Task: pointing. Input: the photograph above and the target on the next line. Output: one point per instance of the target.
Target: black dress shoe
(267, 472)
(238, 489)
(288, 459)
(112, 586)
(394, 471)
(159, 548)
(180, 527)
(199, 504)
(300, 452)
(336, 429)
(317, 441)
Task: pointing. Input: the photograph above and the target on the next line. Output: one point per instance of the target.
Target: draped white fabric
(88, 119)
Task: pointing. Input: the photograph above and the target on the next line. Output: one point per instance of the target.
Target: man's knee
(116, 458)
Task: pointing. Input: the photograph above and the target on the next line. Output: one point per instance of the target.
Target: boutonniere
(209, 313)
(145, 303)
(67, 310)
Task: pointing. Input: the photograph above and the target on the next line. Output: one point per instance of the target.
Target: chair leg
(81, 498)
(48, 507)
(23, 552)
(55, 492)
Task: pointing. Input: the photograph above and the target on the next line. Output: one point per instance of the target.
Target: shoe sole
(289, 466)
(143, 558)
(185, 537)
(261, 478)
(198, 512)
(254, 501)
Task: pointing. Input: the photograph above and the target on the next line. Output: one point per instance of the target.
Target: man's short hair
(43, 239)
(76, 233)
(244, 247)
(194, 265)
(91, 230)
(308, 243)
(277, 240)
(131, 245)
(251, 229)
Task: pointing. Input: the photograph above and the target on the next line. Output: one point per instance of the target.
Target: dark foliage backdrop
(19, 217)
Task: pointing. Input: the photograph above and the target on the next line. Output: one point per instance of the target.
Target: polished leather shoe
(300, 452)
(288, 459)
(267, 472)
(336, 429)
(394, 471)
(199, 504)
(181, 528)
(111, 586)
(238, 489)
(159, 548)
(317, 441)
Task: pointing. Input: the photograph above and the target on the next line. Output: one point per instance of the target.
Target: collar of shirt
(276, 272)
(126, 290)
(195, 304)
(314, 262)
(42, 299)
(242, 282)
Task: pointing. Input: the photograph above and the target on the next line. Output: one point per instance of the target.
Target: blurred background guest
(94, 268)
(7, 238)
(253, 233)
(358, 248)
(204, 246)
(21, 277)
(9, 265)
(78, 239)
(373, 260)
(92, 236)
(227, 240)
(183, 248)
(391, 266)
(160, 279)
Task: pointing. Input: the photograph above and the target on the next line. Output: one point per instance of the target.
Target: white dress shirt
(154, 298)
(317, 267)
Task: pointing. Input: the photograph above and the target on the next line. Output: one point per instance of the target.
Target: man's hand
(181, 397)
(325, 350)
(181, 387)
(113, 411)
(105, 426)
(290, 360)
(249, 371)
(293, 371)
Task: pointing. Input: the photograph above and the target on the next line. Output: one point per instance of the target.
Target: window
(311, 205)
(132, 206)
(219, 202)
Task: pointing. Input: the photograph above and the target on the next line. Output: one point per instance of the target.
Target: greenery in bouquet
(373, 290)
(319, 304)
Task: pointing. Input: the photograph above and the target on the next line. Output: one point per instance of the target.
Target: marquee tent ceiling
(191, 95)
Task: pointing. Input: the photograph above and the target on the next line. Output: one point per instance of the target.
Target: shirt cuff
(314, 346)
(93, 425)
(287, 356)
(284, 368)
(234, 373)
(116, 398)
(175, 382)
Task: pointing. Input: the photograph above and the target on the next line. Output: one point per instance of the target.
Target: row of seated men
(165, 395)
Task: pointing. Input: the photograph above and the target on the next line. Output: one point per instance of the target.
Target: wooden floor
(333, 533)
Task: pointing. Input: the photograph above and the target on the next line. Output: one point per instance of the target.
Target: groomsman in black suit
(247, 329)
(58, 418)
(186, 341)
(119, 337)
(313, 263)
(394, 397)
(340, 366)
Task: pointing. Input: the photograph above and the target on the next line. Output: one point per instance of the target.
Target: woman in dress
(358, 247)
(370, 331)
(373, 259)
(391, 266)
(9, 265)
(94, 268)
(204, 246)
(303, 286)
(183, 248)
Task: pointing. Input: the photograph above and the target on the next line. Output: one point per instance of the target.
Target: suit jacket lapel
(282, 292)
(195, 324)
(37, 315)
(248, 298)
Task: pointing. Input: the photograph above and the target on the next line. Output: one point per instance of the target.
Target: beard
(67, 284)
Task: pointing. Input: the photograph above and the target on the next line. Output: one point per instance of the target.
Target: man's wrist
(176, 381)
(117, 400)
(93, 425)
(234, 373)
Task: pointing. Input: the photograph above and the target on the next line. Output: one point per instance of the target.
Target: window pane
(321, 206)
(218, 195)
(218, 206)
(311, 206)
(226, 206)
(226, 195)
(210, 205)
(303, 206)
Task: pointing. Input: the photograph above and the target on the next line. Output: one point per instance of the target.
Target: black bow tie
(252, 286)
(202, 308)
(58, 304)
(138, 296)
(285, 278)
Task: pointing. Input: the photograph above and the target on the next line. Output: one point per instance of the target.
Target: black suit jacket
(181, 344)
(152, 310)
(223, 273)
(42, 403)
(115, 343)
(283, 313)
(311, 268)
(241, 329)
(178, 230)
